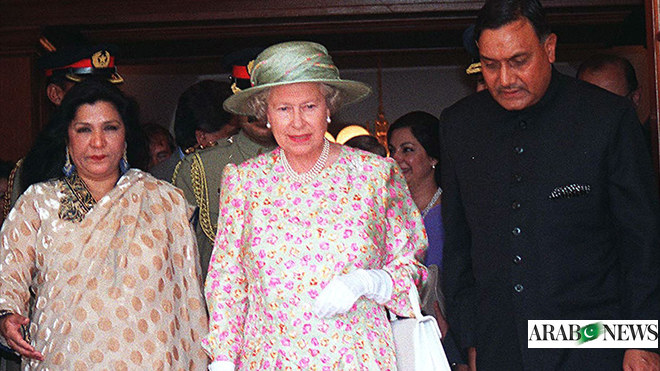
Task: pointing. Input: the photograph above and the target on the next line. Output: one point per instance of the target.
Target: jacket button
(517, 259)
(515, 205)
(522, 125)
(518, 287)
(516, 231)
(519, 150)
(517, 178)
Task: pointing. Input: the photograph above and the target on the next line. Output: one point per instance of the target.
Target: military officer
(199, 122)
(474, 69)
(199, 173)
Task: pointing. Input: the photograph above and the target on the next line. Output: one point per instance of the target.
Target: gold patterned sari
(116, 283)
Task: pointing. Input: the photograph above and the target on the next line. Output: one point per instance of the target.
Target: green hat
(290, 63)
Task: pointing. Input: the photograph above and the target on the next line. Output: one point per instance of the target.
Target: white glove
(343, 291)
(222, 366)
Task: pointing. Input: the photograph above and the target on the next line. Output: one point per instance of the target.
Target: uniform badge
(101, 59)
(249, 67)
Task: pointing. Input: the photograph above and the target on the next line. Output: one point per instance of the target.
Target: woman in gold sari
(98, 264)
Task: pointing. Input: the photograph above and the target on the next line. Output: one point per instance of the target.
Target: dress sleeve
(405, 241)
(18, 241)
(226, 284)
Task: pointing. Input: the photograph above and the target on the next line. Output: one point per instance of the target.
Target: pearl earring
(268, 125)
(328, 119)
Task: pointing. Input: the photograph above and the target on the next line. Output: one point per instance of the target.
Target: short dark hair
(426, 129)
(47, 156)
(200, 108)
(497, 13)
(597, 61)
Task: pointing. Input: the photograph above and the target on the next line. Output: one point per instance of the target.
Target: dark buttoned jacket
(550, 213)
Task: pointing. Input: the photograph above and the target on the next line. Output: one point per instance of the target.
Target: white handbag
(417, 340)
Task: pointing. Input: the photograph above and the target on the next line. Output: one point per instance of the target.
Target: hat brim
(113, 78)
(351, 92)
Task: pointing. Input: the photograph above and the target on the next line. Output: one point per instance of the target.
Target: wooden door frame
(653, 47)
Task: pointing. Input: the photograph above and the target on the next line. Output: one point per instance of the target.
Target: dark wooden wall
(193, 35)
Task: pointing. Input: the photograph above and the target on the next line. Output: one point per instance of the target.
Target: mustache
(510, 88)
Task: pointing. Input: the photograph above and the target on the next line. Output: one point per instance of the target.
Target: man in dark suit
(549, 204)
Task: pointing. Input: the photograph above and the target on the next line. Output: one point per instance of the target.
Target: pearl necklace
(435, 198)
(310, 174)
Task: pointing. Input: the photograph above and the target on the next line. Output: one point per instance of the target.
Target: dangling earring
(268, 125)
(328, 119)
(68, 167)
(123, 163)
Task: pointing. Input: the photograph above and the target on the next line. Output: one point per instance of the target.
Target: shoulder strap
(175, 174)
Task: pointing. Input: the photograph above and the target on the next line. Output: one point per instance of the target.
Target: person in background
(314, 239)
(199, 173)
(199, 123)
(161, 144)
(413, 142)
(367, 143)
(617, 75)
(105, 249)
(474, 69)
(612, 73)
(550, 204)
(72, 64)
(200, 118)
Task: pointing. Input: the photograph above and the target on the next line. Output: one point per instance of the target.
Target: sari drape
(118, 290)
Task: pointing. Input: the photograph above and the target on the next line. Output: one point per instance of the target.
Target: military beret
(240, 65)
(77, 62)
(470, 46)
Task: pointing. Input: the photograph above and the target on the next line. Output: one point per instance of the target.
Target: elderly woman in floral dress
(315, 239)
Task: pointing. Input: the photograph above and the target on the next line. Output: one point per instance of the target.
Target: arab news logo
(592, 334)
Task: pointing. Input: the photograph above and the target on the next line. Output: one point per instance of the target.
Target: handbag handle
(413, 296)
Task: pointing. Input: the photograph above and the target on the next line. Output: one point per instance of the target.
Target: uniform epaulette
(200, 147)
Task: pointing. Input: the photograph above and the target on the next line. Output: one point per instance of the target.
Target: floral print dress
(280, 242)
